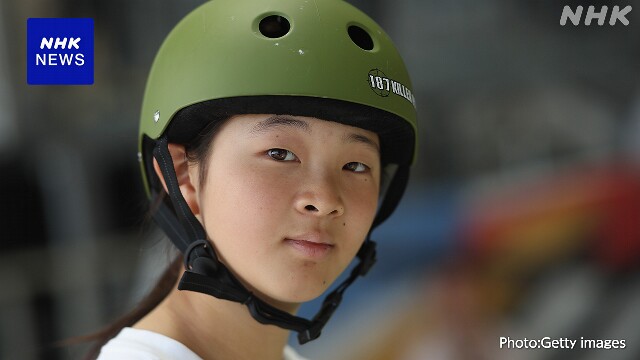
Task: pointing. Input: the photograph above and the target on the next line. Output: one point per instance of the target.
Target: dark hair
(160, 291)
(197, 151)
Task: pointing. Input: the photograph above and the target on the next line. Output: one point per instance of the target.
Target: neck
(214, 329)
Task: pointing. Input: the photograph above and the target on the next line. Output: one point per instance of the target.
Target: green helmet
(324, 59)
(255, 51)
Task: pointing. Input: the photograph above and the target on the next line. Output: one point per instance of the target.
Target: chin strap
(206, 274)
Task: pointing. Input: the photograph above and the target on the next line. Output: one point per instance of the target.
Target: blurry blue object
(421, 232)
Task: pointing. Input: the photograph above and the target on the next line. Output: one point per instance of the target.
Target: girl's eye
(281, 155)
(356, 167)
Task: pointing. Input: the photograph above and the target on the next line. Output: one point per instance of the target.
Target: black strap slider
(309, 334)
(199, 257)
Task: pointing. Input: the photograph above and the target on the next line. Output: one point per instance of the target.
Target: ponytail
(159, 292)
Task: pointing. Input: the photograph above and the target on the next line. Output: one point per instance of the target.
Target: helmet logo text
(383, 86)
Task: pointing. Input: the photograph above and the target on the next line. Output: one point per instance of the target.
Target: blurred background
(522, 219)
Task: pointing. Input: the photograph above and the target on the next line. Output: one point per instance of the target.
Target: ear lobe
(185, 182)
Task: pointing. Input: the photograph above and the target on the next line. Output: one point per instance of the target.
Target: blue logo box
(60, 51)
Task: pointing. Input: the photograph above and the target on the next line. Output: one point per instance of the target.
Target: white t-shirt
(136, 344)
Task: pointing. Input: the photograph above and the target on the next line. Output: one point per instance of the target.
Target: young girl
(274, 136)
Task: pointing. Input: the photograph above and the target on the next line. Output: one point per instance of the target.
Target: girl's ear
(185, 181)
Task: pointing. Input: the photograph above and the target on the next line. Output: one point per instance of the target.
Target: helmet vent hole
(360, 37)
(274, 26)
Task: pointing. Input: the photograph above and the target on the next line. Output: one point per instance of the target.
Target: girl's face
(288, 200)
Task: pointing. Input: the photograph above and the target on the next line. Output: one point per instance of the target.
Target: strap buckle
(202, 262)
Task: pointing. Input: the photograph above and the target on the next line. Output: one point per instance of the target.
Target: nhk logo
(54, 59)
(617, 14)
(60, 51)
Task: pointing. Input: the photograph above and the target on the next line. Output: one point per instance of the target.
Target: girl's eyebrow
(283, 120)
(358, 138)
(277, 121)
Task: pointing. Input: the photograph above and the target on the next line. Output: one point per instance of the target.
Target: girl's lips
(309, 248)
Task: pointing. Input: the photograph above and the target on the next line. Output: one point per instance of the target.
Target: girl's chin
(290, 299)
(295, 285)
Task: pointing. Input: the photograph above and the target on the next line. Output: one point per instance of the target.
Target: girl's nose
(320, 198)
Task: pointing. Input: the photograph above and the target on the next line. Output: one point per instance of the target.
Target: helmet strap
(392, 197)
(206, 274)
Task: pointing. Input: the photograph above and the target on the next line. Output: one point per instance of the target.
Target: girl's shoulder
(291, 354)
(137, 344)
